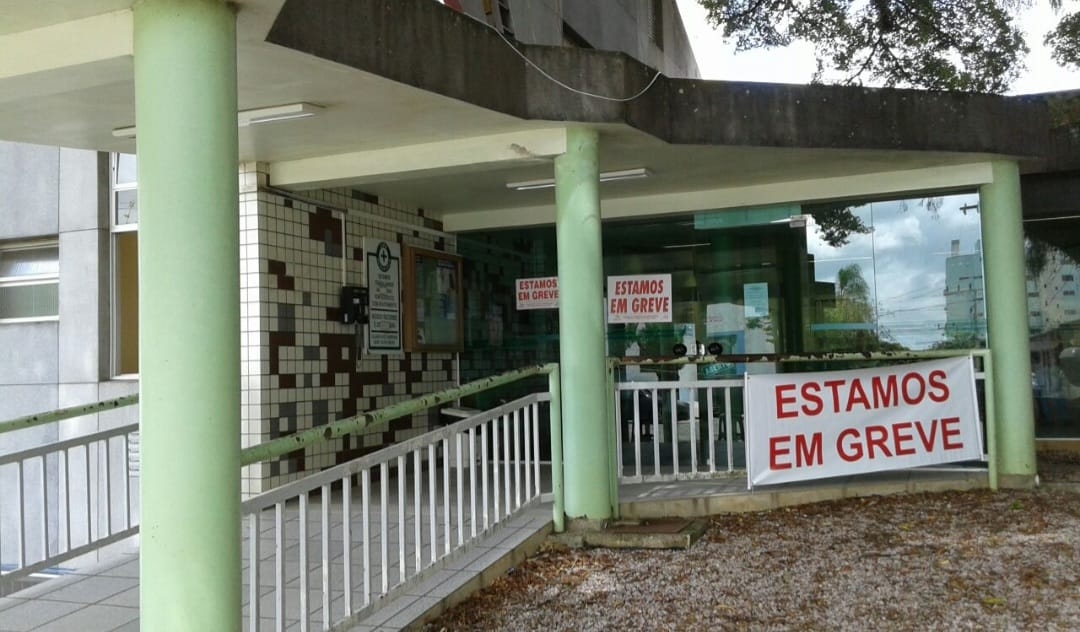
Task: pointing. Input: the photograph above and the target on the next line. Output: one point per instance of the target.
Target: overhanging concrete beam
(67, 44)
(818, 189)
(398, 163)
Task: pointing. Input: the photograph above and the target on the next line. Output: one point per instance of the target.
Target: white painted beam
(66, 44)
(397, 163)
(819, 189)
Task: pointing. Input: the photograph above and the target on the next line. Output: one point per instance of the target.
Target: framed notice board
(433, 301)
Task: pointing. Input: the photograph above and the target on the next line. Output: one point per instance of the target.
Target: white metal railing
(663, 436)
(62, 500)
(436, 494)
(692, 429)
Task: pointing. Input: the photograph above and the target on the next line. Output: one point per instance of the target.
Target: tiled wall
(300, 364)
(498, 337)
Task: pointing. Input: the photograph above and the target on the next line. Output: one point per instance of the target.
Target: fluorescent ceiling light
(277, 113)
(697, 245)
(606, 176)
(247, 118)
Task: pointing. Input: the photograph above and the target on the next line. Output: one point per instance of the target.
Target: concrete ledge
(766, 500)
(1018, 481)
(495, 568)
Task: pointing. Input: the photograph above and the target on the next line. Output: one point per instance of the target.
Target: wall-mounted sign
(756, 300)
(382, 263)
(803, 426)
(537, 293)
(639, 298)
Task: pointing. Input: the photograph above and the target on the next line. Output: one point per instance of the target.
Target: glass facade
(1053, 285)
(858, 276)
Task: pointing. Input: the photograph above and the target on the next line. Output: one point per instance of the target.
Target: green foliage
(970, 45)
(853, 306)
(837, 224)
(965, 340)
(1064, 41)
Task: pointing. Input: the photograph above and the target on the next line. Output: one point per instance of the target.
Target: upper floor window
(125, 265)
(29, 281)
(125, 192)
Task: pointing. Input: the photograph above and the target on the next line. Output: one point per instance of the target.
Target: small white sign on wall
(639, 298)
(382, 264)
(756, 300)
(537, 293)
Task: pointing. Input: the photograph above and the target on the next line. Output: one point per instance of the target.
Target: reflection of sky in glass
(903, 261)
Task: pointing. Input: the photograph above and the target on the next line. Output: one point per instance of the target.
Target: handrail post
(991, 420)
(614, 451)
(558, 501)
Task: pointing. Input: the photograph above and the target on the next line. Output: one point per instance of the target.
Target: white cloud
(717, 59)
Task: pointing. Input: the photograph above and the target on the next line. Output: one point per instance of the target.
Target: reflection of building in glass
(1052, 293)
(965, 309)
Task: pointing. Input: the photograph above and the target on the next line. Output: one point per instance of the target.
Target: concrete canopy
(430, 107)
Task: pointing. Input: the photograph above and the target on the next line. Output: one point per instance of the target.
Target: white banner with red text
(802, 426)
(537, 293)
(639, 298)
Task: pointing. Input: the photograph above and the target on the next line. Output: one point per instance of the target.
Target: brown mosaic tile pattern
(309, 371)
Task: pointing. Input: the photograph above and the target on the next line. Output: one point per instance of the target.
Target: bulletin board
(433, 301)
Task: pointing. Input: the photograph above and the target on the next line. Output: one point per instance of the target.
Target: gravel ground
(952, 561)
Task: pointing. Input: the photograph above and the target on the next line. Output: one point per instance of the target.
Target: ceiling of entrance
(80, 104)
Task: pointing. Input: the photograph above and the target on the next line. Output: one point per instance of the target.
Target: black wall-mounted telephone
(354, 305)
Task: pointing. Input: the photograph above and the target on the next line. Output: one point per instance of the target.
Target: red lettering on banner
(523, 296)
(876, 436)
(834, 386)
(899, 437)
(850, 395)
(884, 396)
(856, 395)
(810, 392)
(781, 413)
(808, 451)
(855, 446)
(874, 441)
(949, 429)
(618, 306)
(904, 390)
(927, 443)
(940, 391)
(776, 451)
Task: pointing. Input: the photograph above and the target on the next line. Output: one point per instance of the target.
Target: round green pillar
(1007, 324)
(588, 474)
(189, 314)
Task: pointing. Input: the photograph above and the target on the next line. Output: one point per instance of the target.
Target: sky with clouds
(907, 275)
(903, 261)
(795, 64)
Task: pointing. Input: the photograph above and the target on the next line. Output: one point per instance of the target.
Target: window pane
(125, 169)
(29, 301)
(126, 309)
(127, 207)
(30, 261)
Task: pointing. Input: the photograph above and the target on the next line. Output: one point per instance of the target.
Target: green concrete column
(587, 468)
(189, 314)
(1007, 324)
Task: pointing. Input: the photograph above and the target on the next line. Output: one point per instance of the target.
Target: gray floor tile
(32, 614)
(93, 589)
(411, 613)
(128, 598)
(126, 569)
(95, 617)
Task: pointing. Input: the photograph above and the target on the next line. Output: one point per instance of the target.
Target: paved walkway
(105, 598)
